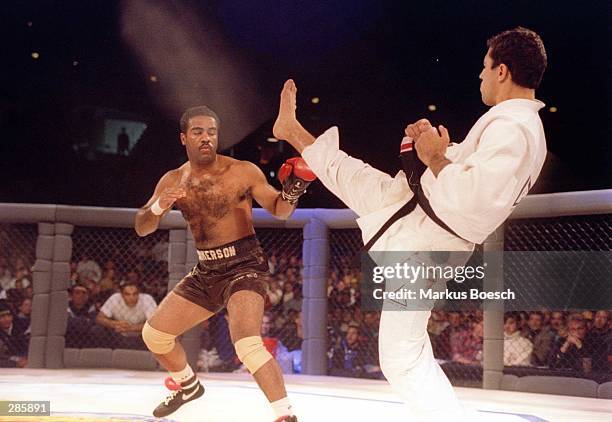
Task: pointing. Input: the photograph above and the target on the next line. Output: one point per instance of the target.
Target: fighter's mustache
(206, 145)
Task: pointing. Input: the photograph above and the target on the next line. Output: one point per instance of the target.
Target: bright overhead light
(273, 140)
(153, 78)
(35, 55)
(553, 109)
(432, 107)
(315, 100)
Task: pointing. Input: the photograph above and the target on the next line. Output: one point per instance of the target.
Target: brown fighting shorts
(224, 270)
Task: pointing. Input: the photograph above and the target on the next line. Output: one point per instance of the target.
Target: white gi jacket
(491, 170)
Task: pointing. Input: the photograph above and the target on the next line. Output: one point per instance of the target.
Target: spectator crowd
(112, 293)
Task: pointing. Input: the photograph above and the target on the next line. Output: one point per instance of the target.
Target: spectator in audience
(588, 318)
(575, 352)
(81, 319)
(125, 313)
(291, 332)
(87, 268)
(348, 359)
(159, 252)
(13, 341)
(74, 276)
(437, 323)
(599, 336)
(517, 349)
(21, 280)
(540, 336)
(443, 344)
(295, 303)
(287, 292)
(221, 340)
(108, 280)
(523, 318)
(557, 325)
(466, 345)
(5, 274)
(133, 277)
(24, 312)
(289, 361)
(369, 330)
(29, 292)
(275, 293)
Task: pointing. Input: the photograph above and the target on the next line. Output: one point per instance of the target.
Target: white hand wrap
(156, 209)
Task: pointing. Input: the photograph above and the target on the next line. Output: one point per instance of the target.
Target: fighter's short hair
(197, 111)
(522, 51)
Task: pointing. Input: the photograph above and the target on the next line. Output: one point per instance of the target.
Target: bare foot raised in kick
(286, 126)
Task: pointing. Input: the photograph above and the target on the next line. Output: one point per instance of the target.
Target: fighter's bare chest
(212, 196)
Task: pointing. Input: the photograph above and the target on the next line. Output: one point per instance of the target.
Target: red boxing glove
(295, 175)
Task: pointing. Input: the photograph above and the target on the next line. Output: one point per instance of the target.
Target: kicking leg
(286, 126)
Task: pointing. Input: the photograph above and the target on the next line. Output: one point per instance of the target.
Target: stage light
(432, 107)
(315, 100)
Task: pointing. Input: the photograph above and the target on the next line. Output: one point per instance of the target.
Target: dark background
(375, 65)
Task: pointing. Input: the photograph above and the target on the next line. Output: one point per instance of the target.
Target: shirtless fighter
(215, 194)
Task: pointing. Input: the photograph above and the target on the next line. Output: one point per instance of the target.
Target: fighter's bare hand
(415, 130)
(170, 195)
(432, 145)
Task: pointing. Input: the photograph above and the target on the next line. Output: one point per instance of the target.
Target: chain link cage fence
(107, 262)
(17, 257)
(353, 330)
(570, 340)
(282, 323)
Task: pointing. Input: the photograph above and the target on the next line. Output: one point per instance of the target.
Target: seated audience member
(348, 359)
(13, 341)
(466, 345)
(5, 274)
(289, 361)
(81, 319)
(125, 314)
(599, 336)
(576, 351)
(274, 293)
(108, 280)
(295, 303)
(24, 313)
(369, 331)
(220, 340)
(558, 326)
(540, 336)
(443, 342)
(517, 349)
(87, 268)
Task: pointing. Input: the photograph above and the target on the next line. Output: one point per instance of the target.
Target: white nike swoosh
(190, 395)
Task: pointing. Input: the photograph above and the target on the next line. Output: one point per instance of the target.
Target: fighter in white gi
(472, 187)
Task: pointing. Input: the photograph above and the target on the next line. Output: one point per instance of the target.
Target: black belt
(417, 199)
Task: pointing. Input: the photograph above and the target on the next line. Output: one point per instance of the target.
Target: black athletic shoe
(292, 418)
(190, 390)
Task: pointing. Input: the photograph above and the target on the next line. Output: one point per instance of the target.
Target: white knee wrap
(157, 341)
(252, 353)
